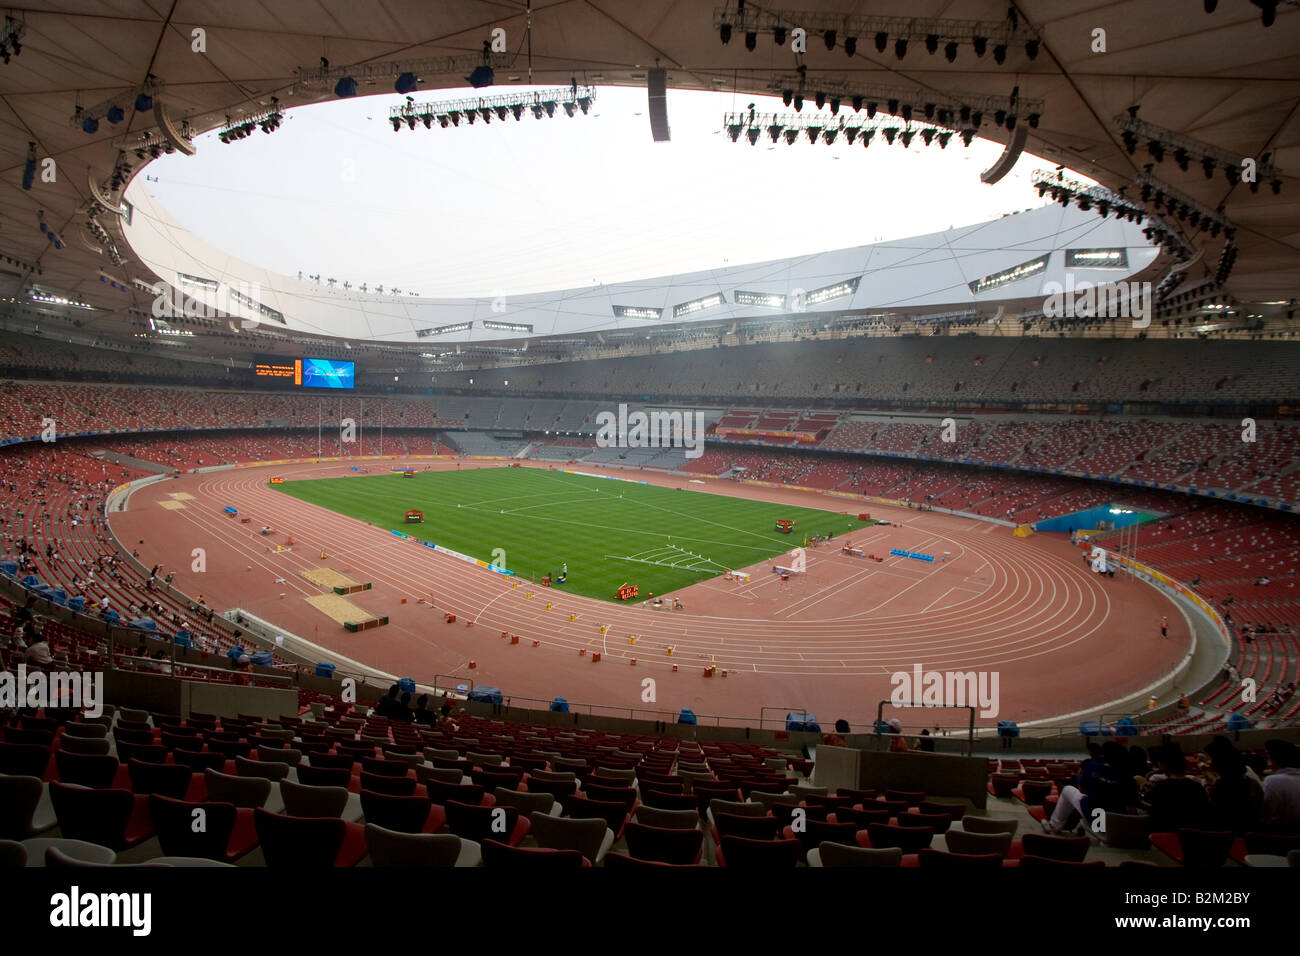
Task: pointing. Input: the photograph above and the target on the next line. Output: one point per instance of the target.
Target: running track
(1061, 638)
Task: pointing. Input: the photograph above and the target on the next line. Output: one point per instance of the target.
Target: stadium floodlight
(268, 118)
(830, 293)
(10, 38)
(763, 300)
(698, 305)
(1185, 148)
(443, 329)
(637, 312)
(852, 128)
(932, 32)
(516, 327)
(499, 106)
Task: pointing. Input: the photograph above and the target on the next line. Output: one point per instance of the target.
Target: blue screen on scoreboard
(327, 373)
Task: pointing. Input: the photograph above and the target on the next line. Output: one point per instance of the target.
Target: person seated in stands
(402, 712)
(1282, 787)
(897, 742)
(1236, 798)
(1280, 698)
(39, 653)
(387, 704)
(422, 713)
(1110, 787)
(1175, 800)
(926, 743)
(26, 614)
(1138, 764)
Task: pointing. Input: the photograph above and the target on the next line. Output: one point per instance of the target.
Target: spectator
(897, 742)
(1138, 764)
(445, 709)
(1282, 787)
(1175, 800)
(926, 743)
(39, 653)
(402, 712)
(388, 704)
(1110, 787)
(422, 713)
(1236, 798)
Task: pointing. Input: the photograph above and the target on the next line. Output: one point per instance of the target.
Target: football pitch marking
(674, 557)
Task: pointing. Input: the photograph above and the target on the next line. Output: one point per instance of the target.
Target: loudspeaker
(169, 129)
(657, 87)
(1009, 156)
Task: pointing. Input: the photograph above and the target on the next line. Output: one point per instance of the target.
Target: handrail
(880, 711)
(142, 665)
(627, 713)
(789, 710)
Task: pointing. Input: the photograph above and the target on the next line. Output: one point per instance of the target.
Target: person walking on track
(1164, 627)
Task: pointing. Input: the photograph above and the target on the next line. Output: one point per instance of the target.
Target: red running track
(1061, 638)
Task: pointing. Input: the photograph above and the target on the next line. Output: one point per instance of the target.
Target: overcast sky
(513, 207)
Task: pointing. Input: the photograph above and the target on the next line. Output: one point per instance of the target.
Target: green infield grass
(544, 520)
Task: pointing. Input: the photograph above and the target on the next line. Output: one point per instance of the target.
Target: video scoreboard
(307, 372)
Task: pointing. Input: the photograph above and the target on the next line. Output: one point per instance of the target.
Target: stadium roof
(1018, 256)
(1221, 81)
